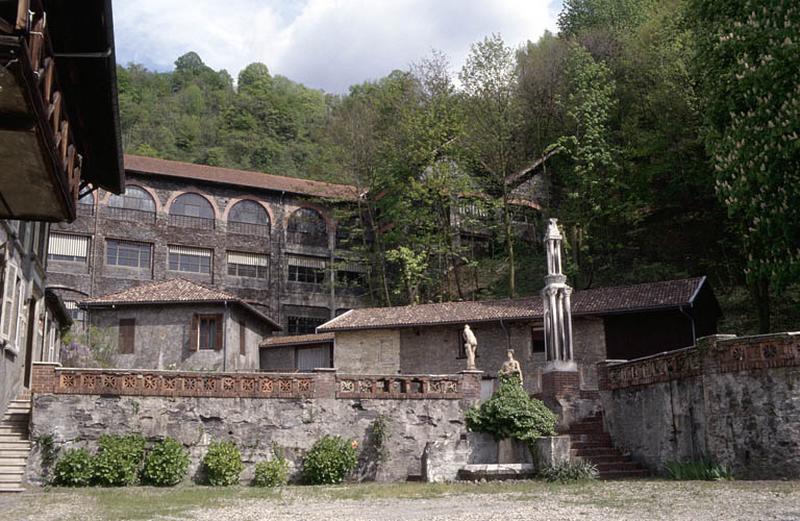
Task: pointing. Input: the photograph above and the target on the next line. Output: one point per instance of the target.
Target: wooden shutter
(193, 333)
(127, 335)
(218, 322)
(8, 301)
(242, 338)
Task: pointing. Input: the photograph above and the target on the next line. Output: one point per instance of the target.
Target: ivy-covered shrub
(273, 472)
(118, 460)
(566, 472)
(73, 469)
(165, 464)
(511, 413)
(329, 460)
(223, 463)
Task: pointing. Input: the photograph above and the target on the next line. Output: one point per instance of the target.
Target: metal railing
(187, 221)
(257, 230)
(129, 214)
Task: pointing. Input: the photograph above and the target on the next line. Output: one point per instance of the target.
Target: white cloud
(327, 44)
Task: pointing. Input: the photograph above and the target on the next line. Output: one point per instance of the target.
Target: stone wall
(371, 351)
(734, 400)
(76, 407)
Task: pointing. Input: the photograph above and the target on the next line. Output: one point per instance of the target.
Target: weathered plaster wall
(589, 347)
(294, 424)
(368, 352)
(163, 333)
(735, 400)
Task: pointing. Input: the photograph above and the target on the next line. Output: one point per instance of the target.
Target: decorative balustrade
(50, 378)
(398, 387)
(712, 355)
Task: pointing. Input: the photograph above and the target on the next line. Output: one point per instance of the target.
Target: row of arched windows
(305, 226)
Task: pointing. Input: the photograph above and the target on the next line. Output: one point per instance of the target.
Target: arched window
(135, 204)
(248, 218)
(307, 227)
(191, 211)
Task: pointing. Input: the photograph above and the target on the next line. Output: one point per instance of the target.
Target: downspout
(691, 322)
(225, 337)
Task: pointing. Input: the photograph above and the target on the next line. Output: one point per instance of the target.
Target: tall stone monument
(560, 374)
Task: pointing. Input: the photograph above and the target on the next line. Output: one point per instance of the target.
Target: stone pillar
(471, 386)
(560, 374)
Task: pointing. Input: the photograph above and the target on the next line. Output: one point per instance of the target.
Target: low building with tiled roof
(608, 323)
(179, 324)
(297, 352)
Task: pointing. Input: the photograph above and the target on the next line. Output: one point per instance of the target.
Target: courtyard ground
(529, 501)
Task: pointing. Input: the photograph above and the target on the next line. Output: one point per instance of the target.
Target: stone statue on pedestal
(511, 366)
(470, 346)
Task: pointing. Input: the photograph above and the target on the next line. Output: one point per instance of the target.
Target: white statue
(470, 346)
(511, 366)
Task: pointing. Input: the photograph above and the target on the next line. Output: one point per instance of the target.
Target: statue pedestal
(560, 382)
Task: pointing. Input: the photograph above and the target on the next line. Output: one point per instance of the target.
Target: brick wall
(369, 351)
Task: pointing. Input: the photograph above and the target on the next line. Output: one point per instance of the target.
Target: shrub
(272, 473)
(566, 472)
(118, 460)
(223, 463)
(329, 460)
(73, 469)
(511, 413)
(166, 464)
(702, 470)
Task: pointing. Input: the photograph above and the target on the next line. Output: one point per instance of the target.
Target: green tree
(747, 56)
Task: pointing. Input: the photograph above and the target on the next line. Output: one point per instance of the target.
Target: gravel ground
(606, 501)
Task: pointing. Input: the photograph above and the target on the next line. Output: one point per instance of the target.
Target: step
(9, 489)
(606, 458)
(15, 453)
(13, 462)
(14, 445)
(12, 469)
(10, 478)
(13, 428)
(595, 451)
(13, 438)
(581, 445)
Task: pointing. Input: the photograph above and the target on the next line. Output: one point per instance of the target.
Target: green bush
(329, 460)
(118, 460)
(272, 473)
(566, 472)
(165, 464)
(223, 463)
(511, 413)
(702, 470)
(73, 469)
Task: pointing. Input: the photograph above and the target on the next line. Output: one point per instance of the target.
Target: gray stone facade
(438, 350)
(279, 297)
(254, 424)
(163, 332)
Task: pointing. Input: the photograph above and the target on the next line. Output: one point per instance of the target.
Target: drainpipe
(691, 322)
(225, 337)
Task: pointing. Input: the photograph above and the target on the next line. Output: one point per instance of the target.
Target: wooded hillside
(670, 130)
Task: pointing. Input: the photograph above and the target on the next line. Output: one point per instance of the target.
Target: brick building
(269, 240)
(615, 322)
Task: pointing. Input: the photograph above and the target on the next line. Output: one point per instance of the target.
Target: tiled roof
(599, 301)
(246, 178)
(283, 341)
(171, 291)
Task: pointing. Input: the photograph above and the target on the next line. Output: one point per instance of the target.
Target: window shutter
(242, 338)
(218, 321)
(127, 335)
(8, 300)
(193, 337)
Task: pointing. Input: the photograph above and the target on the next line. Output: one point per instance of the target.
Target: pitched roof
(171, 291)
(284, 341)
(246, 178)
(599, 301)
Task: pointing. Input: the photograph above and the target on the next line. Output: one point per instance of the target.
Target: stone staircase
(14, 445)
(590, 442)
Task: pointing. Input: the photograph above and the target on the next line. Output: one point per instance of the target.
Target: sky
(325, 44)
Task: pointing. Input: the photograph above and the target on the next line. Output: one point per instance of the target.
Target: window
(133, 205)
(206, 332)
(189, 260)
(68, 248)
(306, 269)
(127, 335)
(252, 265)
(8, 321)
(77, 314)
(250, 218)
(537, 340)
(86, 204)
(304, 325)
(191, 211)
(128, 253)
(351, 279)
(307, 226)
